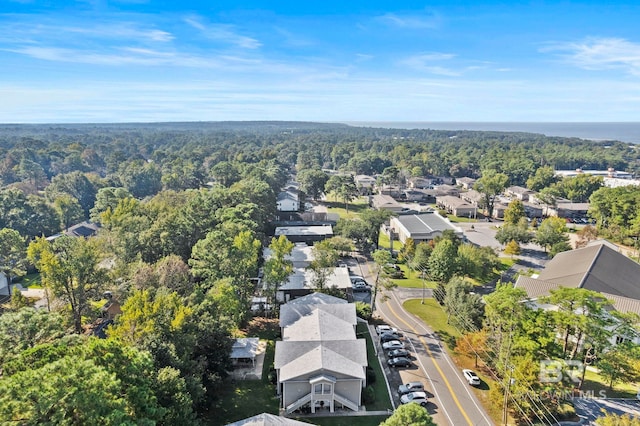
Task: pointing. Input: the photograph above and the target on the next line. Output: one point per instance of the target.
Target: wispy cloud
(416, 21)
(600, 54)
(222, 32)
(430, 62)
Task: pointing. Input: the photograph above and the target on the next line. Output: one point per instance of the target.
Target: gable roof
(346, 358)
(266, 419)
(291, 312)
(319, 325)
(314, 299)
(596, 267)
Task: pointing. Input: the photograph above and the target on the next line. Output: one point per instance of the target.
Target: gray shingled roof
(319, 325)
(596, 267)
(316, 299)
(425, 223)
(340, 358)
(290, 313)
(266, 419)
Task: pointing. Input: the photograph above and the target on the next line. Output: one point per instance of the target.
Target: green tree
(342, 187)
(13, 254)
(464, 309)
(27, 328)
(381, 284)
(312, 182)
(518, 233)
(323, 263)
(512, 248)
(375, 219)
(443, 262)
(551, 231)
(69, 269)
(225, 173)
(490, 185)
(544, 177)
(107, 199)
(71, 391)
(620, 363)
(77, 185)
(68, 209)
(141, 179)
(277, 268)
(409, 415)
(514, 212)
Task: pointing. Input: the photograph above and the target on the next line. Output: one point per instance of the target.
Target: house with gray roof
(421, 227)
(302, 282)
(465, 182)
(519, 192)
(385, 202)
(597, 267)
(456, 206)
(266, 419)
(320, 363)
(288, 201)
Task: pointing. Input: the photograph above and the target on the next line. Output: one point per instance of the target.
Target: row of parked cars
(392, 344)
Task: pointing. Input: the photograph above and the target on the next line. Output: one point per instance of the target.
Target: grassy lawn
(412, 279)
(432, 314)
(30, 281)
(381, 401)
(245, 398)
(596, 383)
(456, 219)
(355, 207)
(385, 243)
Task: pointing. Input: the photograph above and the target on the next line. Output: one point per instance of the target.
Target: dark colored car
(387, 337)
(398, 352)
(400, 361)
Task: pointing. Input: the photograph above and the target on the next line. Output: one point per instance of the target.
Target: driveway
(589, 409)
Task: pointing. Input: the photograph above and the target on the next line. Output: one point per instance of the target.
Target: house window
(322, 388)
(620, 340)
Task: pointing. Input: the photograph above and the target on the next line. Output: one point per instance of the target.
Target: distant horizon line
(313, 121)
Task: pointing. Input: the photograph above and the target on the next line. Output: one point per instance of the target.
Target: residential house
(456, 206)
(421, 227)
(519, 192)
(288, 201)
(306, 234)
(598, 267)
(365, 184)
(302, 282)
(568, 209)
(320, 363)
(472, 197)
(465, 182)
(83, 229)
(385, 202)
(420, 183)
(266, 419)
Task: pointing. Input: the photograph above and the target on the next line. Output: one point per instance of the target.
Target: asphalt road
(588, 409)
(452, 400)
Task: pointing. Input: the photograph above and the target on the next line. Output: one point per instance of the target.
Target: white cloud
(222, 32)
(429, 62)
(410, 21)
(600, 54)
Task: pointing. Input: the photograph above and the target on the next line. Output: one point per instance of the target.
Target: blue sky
(136, 60)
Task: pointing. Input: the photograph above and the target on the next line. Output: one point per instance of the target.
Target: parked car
(471, 377)
(410, 387)
(417, 397)
(393, 344)
(400, 361)
(384, 327)
(355, 278)
(388, 336)
(398, 352)
(361, 286)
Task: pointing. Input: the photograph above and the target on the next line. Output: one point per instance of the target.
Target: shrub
(371, 375)
(368, 395)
